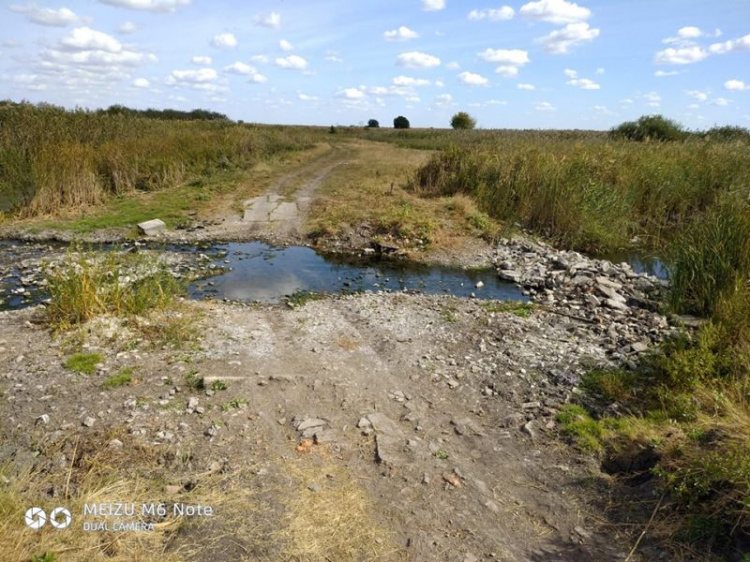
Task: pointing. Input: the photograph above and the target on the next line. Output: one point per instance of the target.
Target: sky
(541, 64)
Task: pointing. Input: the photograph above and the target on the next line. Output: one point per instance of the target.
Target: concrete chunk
(152, 227)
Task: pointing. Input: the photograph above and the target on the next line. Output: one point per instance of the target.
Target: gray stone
(43, 419)
(639, 347)
(115, 444)
(192, 403)
(89, 422)
(152, 227)
(310, 423)
(615, 304)
(610, 293)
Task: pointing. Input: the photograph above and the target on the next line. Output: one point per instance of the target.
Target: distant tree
(463, 120)
(373, 124)
(401, 122)
(650, 127)
(332, 130)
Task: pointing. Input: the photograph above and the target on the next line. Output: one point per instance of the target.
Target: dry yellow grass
(337, 521)
(370, 189)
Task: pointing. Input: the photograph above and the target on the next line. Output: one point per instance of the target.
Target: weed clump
(84, 363)
(85, 285)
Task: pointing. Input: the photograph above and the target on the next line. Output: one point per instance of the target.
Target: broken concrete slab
(152, 227)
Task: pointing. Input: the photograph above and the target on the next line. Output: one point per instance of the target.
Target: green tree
(463, 120)
(401, 122)
(373, 124)
(650, 127)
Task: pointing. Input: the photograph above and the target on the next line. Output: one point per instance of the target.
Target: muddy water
(261, 273)
(257, 272)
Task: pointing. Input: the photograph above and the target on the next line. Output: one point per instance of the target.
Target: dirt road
(429, 435)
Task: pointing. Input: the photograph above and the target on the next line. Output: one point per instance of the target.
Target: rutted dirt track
(280, 213)
(423, 402)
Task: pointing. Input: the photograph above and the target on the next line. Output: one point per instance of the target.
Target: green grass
(235, 404)
(84, 363)
(218, 385)
(85, 285)
(194, 381)
(521, 309)
(52, 159)
(125, 376)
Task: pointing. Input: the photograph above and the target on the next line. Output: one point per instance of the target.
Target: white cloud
(512, 57)
(164, 6)
(507, 71)
(544, 106)
(663, 73)
(471, 79)
(653, 99)
(684, 55)
(305, 97)
(272, 20)
(626, 101)
(293, 62)
(403, 33)
(240, 68)
(698, 95)
(444, 99)
(409, 82)
(141, 83)
(333, 58)
(439, 84)
(86, 39)
(741, 44)
(499, 14)
(352, 93)
(583, 83)
(686, 36)
(721, 102)
(415, 59)
(127, 28)
(736, 85)
(600, 71)
(224, 41)
(560, 42)
(203, 79)
(452, 66)
(526, 87)
(258, 79)
(497, 102)
(199, 76)
(260, 59)
(201, 61)
(47, 16)
(433, 5)
(555, 11)
(285, 45)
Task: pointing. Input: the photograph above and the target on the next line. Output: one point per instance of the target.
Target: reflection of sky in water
(265, 274)
(640, 263)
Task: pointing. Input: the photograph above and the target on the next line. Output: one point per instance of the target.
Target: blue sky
(539, 64)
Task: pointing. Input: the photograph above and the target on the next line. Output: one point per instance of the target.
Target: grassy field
(52, 159)
(369, 193)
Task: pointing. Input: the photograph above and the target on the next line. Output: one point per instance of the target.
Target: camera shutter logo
(35, 518)
(59, 518)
